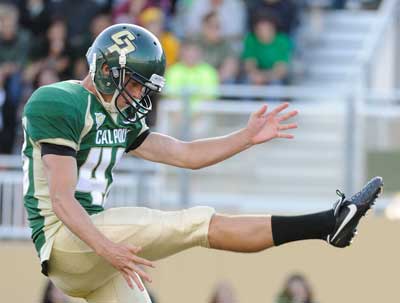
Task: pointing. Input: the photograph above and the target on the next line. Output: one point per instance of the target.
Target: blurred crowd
(296, 289)
(207, 43)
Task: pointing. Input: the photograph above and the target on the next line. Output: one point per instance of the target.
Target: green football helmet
(132, 53)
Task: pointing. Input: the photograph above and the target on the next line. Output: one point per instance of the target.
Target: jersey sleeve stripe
(139, 140)
(60, 141)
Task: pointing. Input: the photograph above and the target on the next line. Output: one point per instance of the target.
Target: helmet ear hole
(105, 70)
(103, 79)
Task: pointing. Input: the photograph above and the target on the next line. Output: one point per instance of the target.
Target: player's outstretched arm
(261, 127)
(61, 173)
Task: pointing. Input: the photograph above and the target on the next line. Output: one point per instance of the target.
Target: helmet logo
(123, 42)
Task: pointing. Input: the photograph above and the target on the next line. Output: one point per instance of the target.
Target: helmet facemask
(135, 109)
(121, 77)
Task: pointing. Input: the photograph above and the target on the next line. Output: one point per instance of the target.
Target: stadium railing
(136, 181)
(280, 176)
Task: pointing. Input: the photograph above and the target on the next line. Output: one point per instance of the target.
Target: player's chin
(122, 103)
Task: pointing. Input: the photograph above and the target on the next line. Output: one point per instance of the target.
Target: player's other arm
(61, 173)
(262, 127)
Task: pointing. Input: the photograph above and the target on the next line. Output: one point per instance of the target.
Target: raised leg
(240, 233)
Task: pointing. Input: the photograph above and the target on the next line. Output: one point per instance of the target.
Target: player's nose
(135, 89)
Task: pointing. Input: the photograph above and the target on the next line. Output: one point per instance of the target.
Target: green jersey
(67, 114)
(266, 55)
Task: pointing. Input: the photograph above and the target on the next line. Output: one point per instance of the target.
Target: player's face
(134, 89)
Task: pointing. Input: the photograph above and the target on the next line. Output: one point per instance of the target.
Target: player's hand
(124, 258)
(264, 126)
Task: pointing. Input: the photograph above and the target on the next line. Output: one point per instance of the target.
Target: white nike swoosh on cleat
(350, 215)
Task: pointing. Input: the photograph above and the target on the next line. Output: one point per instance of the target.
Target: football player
(76, 132)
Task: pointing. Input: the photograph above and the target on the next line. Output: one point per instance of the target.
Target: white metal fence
(279, 176)
(137, 183)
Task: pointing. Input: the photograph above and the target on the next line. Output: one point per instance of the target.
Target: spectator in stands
(296, 290)
(79, 48)
(105, 6)
(53, 295)
(97, 25)
(128, 11)
(231, 13)
(35, 16)
(286, 12)
(80, 69)
(45, 76)
(217, 51)
(224, 293)
(54, 51)
(192, 75)
(153, 19)
(266, 53)
(78, 15)
(14, 48)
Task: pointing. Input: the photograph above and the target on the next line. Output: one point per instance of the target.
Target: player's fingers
(141, 273)
(287, 126)
(261, 111)
(139, 260)
(285, 136)
(280, 108)
(288, 115)
(134, 249)
(127, 279)
(135, 278)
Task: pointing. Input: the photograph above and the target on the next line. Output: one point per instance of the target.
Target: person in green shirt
(266, 53)
(191, 75)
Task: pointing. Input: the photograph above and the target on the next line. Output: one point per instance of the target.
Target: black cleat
(349, 212)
